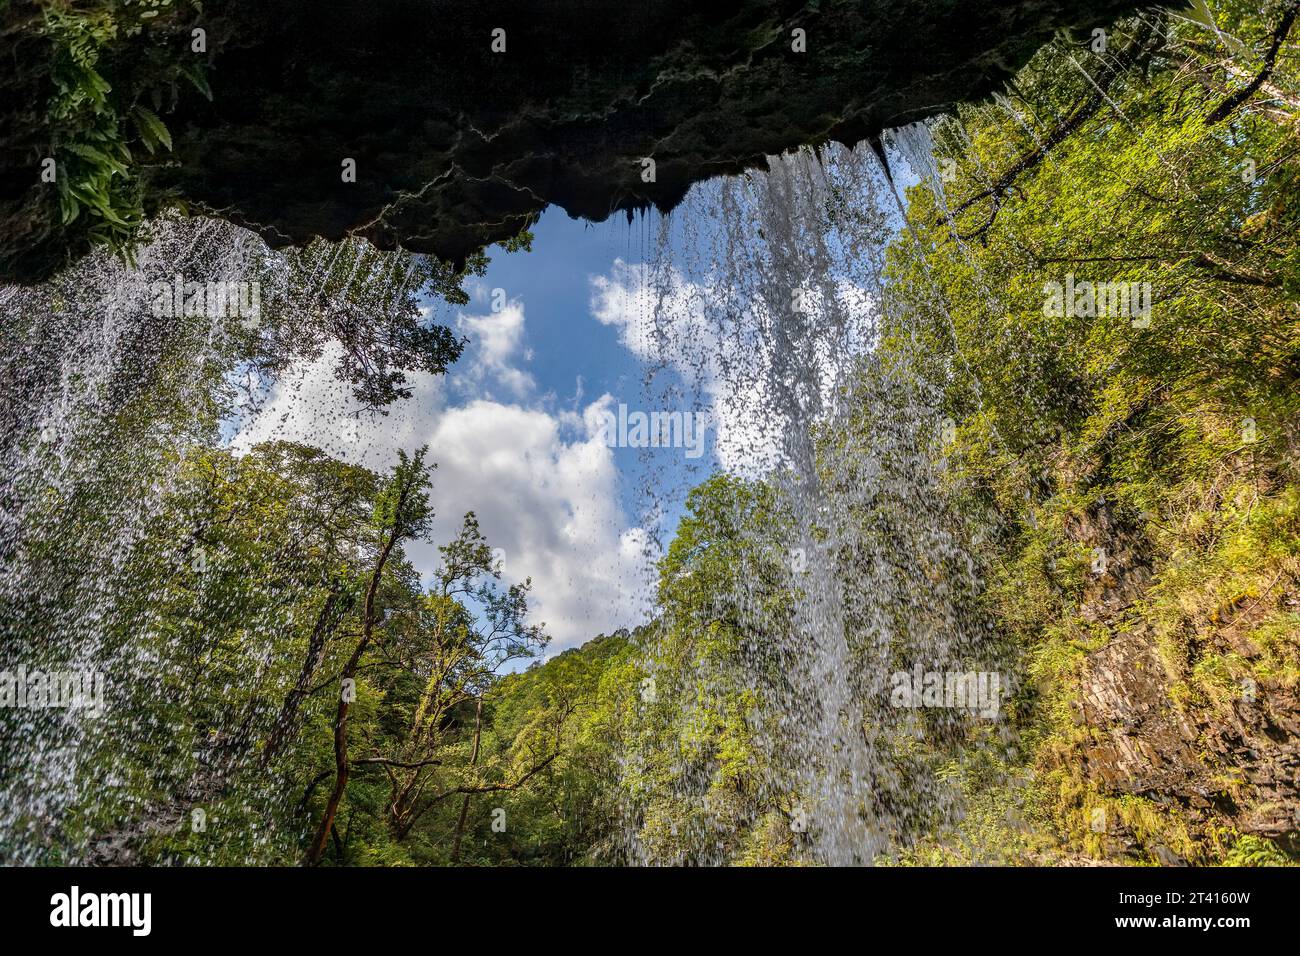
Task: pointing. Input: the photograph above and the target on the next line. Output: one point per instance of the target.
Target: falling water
(103, 359)
(85, 352)
(768, 291)
(764, 298)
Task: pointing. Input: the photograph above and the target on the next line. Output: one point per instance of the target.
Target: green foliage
(571, 814)
(242, 605)
(368, 303)
(95, 114)
(1254, 851)
(265, 580)
(703, 780)
(1170, 445)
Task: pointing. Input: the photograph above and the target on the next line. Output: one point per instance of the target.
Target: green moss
(1169, 446)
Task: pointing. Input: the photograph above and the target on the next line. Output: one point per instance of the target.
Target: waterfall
(771, 290)
(115, 372)
(85, 353)
(764, 297)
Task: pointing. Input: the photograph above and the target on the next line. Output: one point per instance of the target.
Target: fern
(94, 122)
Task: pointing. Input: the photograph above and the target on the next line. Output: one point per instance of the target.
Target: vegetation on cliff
(1101, 272)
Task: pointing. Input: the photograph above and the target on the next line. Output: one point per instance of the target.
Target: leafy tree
(1090, 430)
(402, 513)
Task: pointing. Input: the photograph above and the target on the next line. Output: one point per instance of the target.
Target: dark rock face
(457, 146)
(1236, 762)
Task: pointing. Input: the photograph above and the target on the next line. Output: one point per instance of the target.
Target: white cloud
(547, 494)
(543, 484)
(496, 346)
(309, 404)
(742, 365)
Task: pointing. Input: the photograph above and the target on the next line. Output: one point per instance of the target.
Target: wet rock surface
(458, 144)
(1233, 762)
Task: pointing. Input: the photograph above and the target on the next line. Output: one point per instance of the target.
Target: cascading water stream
(91, 345)
(786, 269)
(763, 298)
(109, 357)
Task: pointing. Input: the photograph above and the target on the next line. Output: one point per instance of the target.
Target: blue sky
(558, 337)
(571, 355)
(510, 429)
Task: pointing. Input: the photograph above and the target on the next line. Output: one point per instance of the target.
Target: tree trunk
(341, 768)
(473, 761)
(288, 717)
(1226, 108)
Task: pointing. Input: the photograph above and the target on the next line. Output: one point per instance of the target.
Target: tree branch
(1226, 108)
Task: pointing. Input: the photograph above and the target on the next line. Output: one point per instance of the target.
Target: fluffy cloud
(499, 345)
(546, 491)
(755, 372)
(544, 484)
(664, 320)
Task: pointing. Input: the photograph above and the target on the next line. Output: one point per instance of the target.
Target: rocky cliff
(465, 120)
